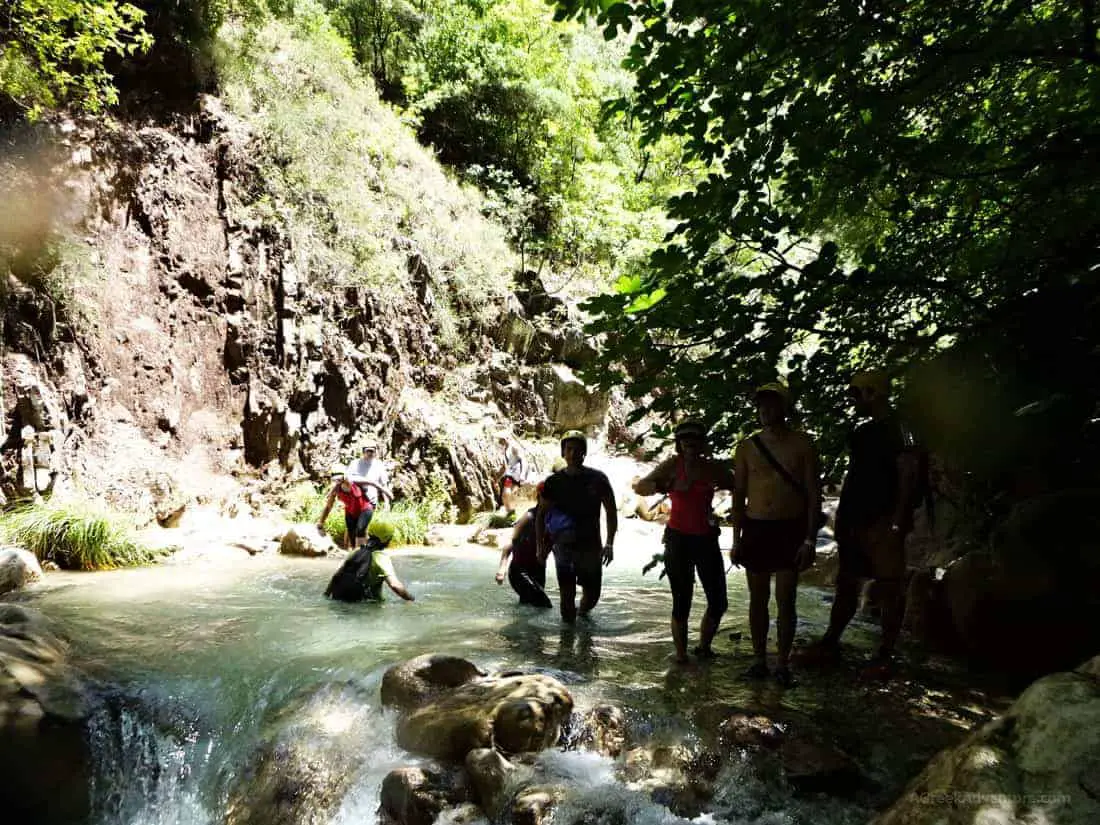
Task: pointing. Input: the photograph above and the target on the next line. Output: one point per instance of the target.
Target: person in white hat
(370, 474)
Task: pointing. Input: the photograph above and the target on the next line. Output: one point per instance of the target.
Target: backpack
(353, 582)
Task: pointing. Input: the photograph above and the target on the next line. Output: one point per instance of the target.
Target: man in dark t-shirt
(578, 492)
(874, 515)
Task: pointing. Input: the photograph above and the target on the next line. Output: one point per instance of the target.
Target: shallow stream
(189, 660)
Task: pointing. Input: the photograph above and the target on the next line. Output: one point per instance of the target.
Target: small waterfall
(148, 757)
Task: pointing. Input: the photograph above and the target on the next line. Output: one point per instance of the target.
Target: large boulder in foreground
(417, 795)
(18, 568)
(44, 758)
(416, 682)
(513, 713)
(1040, 762)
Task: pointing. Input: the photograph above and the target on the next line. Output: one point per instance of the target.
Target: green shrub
(75, 535)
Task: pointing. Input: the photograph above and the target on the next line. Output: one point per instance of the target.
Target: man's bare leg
(893, 613)
(568, 590)
(759, 596)
(845, 604)
(786, 598)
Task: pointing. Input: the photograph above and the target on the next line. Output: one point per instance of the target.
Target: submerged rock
(300, 774)
(492, 774)
(18, 568)
(513, 713)
(44, 758)
(416, 795)
(411, 684)
(603, 729)
(1037, 763)
(535, 805)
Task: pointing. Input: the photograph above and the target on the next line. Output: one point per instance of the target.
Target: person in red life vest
(690, 478)
(526, 573)
(358, 509)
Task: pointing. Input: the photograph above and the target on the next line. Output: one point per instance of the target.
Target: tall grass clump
(349, 179)
(75, 535)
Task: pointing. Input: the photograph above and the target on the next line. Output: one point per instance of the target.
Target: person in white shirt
(370, 474)
(513, 472)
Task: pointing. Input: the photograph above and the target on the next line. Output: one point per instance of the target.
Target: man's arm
(907, 482)
(397, 587)
(806, 553)
(657, 481)
(740, 491)
(612, 521)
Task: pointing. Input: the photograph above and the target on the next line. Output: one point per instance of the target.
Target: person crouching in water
(357, 508)
(775, 518)
(526, 573)
(690, 479)
(361, 576)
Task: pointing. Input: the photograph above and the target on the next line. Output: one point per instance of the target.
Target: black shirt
(579, 495)
(870, 488)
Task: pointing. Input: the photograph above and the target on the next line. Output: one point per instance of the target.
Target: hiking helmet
(368, 444)
(381, 531)
(336, 471)
(574, 435)
(775, 388)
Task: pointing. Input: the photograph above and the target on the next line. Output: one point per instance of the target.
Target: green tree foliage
(885, 183)
(512, 100)
(54, 52)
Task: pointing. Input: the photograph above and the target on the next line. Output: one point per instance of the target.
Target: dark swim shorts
(768, 546)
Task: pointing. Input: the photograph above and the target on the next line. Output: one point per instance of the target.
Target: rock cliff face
(192, 350)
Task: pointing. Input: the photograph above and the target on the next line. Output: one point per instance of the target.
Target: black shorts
(769, 546)
(579, 563)
(356, 526)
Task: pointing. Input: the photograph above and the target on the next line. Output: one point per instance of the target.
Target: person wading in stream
(525, 572)
(874, 515)
(361, 576)
(776, 510)
(577, 492)
(690, 479)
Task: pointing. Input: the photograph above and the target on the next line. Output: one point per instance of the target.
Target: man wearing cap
(577, 493)
(874, 515)
(370, 474)
(775, 522)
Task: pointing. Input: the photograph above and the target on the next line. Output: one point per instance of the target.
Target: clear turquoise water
(191, 659)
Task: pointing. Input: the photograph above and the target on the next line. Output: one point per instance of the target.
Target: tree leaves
(881, 182)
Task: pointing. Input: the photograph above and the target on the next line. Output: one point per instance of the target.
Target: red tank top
(354, 500)
(691, 507)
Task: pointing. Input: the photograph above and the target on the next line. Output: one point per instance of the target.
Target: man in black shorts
(874, 515)
(578, 492)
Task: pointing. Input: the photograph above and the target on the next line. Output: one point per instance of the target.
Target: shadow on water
(198, 660)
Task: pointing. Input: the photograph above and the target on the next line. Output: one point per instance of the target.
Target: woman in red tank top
(690, 478)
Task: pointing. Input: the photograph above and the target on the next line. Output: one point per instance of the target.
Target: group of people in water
(776, 515)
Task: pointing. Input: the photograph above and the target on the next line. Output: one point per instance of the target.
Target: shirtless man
(775, 514)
